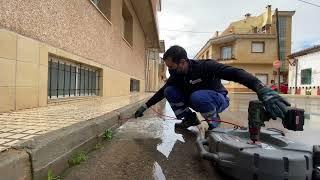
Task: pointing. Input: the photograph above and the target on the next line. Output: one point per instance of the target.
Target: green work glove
(140, 111)
(274, 104)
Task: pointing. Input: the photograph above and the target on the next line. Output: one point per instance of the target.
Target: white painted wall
(304, 62)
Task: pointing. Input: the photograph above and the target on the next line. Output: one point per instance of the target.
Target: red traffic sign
(276, 64)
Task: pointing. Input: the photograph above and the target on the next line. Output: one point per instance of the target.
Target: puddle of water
(169, 138)
(157, 172)
(168, 135)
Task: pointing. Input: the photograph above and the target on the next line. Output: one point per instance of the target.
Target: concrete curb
(301, 96)
(52, 151)
(15, 164)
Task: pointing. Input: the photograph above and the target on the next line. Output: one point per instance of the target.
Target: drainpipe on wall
(146, 70)
(296, 79)
(278, 46)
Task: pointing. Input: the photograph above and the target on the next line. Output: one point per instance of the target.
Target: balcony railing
(253, 30)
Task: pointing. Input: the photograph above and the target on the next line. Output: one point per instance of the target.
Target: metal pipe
(64, 78)
(75, 81)
(296, 79)
(70, 80)
(50, 79)
(80, 80)
(84, 87)
(98, 83)
(92, 78)
(58, 80)
(278, 48)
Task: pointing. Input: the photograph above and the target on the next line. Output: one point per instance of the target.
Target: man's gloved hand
(140, 111)
(274, 104)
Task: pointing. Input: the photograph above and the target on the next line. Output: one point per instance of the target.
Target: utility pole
(278, 47)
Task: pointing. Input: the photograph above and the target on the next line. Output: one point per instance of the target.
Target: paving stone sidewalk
(18, 126)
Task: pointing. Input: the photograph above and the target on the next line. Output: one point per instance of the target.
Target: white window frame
(223, 52)
(310, 76)
(255, 49)
(263, 74)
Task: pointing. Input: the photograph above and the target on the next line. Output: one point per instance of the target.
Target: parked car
(283, 88)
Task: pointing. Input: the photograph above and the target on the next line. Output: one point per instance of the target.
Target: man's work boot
(214, 124)
(190, 120)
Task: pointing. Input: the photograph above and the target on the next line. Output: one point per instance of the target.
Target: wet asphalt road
(150, 148)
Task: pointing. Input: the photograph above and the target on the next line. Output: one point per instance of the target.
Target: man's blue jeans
(208, 102)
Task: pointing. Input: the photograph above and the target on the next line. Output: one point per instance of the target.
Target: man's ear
(182, 60)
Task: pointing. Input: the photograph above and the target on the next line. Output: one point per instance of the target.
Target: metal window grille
(67, 79)
(134, 85)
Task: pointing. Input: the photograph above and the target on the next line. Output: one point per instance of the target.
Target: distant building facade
(304, 72)
(251, 44)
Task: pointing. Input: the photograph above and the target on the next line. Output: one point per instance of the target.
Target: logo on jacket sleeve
(195, 81)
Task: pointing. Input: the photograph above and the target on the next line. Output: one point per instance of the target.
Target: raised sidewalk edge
(35, 157)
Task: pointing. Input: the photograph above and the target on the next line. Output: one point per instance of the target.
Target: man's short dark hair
(176, 53)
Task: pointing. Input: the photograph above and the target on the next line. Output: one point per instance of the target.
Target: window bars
(134, 85)
(67, 79)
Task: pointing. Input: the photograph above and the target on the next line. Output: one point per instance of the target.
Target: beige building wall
(24, 72)
(254, 70)
(156, 74)
(151, 72)
(73, 30)
(243, 54)
(254, 63)
(216, 52)
(80, 28)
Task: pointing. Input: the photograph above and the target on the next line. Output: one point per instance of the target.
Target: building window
(67, 79)
(207, 55)
(263, 78)
(257, 47)
(306, 76)
(226, 52)
(134, 85)
(153, 55)
(127, 23)
(104, 6)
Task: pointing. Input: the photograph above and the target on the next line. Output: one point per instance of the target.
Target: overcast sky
(216, 15)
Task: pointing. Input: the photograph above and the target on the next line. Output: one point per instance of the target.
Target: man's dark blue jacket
(206, 74)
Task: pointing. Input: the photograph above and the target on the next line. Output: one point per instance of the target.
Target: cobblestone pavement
(18, 126)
